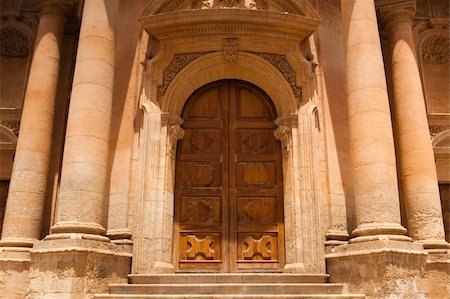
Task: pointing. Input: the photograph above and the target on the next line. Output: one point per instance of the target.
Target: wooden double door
(228, 188)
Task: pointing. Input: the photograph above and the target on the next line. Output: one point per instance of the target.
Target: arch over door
(228, 188)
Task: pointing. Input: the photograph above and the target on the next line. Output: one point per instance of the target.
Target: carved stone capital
(398, 11)
(435, 49)
(56, 7)
(282, 134)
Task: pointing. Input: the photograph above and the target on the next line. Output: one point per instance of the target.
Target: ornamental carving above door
(228, 189)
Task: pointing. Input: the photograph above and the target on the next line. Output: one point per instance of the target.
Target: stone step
(227, 288)
(186, 278)
(223, 296)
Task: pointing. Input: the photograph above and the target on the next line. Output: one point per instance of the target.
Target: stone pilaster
(417, 167)
(371, 139)
(25, 203)
(84, 169)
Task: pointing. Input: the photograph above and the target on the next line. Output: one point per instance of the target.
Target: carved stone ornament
(281, 63)
(436, 130)
(230, 50)
(179, 61)
(12, 125)
(14, 42)
(282, 134)
(435, 49)
(228, 3)
(175, 133)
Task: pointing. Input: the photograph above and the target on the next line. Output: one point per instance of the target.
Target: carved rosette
(282, 134)
(281, 63)
(175, 133)
(230, 50)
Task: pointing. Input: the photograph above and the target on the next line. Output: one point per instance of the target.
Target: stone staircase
(227, 286)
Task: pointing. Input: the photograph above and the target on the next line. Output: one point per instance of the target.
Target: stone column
(85, 162)
(371, 139)
(416, 157)
(25, 204)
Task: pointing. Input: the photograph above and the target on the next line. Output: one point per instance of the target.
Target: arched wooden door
(228, 188)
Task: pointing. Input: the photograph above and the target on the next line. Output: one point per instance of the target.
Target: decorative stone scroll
(281, 63)
(230, 50)
(179, 61)
(282, 134)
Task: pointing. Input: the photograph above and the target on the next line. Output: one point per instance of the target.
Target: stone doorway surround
(194, 44)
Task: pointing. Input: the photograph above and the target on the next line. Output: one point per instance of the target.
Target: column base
(63, 227)
(380, 269)
(381, 228)
(336, 237)
(25, 243)
(435, 246)
(163, 268)
(294, 268)
(76, 268)
(122, 238)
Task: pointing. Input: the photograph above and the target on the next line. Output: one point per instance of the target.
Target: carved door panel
(228, 190)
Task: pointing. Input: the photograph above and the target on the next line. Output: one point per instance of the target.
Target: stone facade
(92, 100)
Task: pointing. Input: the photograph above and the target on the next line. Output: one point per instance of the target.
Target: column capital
(395, 11)
(56, 7)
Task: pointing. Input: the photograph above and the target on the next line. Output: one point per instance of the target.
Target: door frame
(286, 77)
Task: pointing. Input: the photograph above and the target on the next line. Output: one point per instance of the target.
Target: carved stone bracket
(282, 134)
(230, 50)
(281, 63)
(175, 133)
(179, 61)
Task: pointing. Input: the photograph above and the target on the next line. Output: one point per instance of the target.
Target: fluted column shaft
(371, 139)
(416, 157)
(25, 203)
(84, 170)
